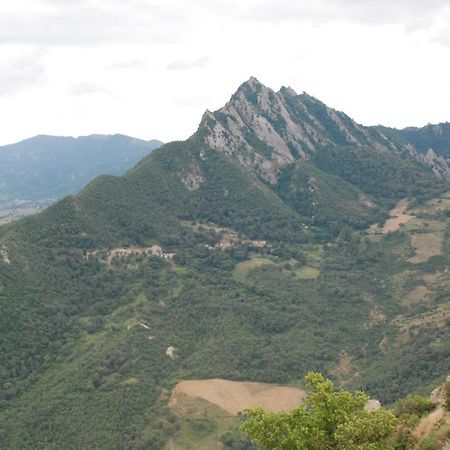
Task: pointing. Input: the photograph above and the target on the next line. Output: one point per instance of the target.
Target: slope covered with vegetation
(436, 137)
(38, 171)
(198, 264)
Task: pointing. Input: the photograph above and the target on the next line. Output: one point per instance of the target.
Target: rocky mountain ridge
(435, 137)
(267, 130)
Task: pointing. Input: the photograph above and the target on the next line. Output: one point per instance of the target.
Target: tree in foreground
(328, 420)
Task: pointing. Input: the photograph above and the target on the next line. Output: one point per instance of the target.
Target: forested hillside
(36, 172)
(435, 137)
(281, 238)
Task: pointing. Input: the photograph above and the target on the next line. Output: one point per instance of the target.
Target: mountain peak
(250, 88)
(267, 130)
(253, 82)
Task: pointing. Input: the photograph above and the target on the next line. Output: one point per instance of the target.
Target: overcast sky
(149, 68)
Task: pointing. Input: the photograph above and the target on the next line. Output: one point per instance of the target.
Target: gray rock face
(438, 163)
(372, 405)
(266, 130)
(193, 180)
(439, 394)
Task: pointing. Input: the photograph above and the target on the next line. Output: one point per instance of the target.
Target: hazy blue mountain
(40, 170)
(52, 167)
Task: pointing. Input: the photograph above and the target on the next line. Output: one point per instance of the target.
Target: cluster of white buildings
(155, 250)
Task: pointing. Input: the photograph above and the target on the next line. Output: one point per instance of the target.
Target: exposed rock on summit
(266, 130)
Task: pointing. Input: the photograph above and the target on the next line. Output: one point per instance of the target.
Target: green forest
(254, 281)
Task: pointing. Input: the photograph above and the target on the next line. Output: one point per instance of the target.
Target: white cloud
(18, 72)
(88, 89)
(95, 22)
(410, 13)
(150, 68)
(188, 64)
(125, 65)
(441, 34)
(90, 23)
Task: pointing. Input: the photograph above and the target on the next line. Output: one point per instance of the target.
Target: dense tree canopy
(329, 419)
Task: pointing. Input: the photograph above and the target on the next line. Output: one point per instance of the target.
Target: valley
(12, 209)
(230, 263)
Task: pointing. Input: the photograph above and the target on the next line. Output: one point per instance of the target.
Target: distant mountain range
(281, 237)
(36, 172)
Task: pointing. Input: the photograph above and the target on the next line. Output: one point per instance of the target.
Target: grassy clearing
(434, 205)
(198, 226)
(420, 225)
(307, 273)
(242, 269)
(426, 245)
(201, 424)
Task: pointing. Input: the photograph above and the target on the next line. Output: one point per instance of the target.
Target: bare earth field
(397, 218)
(426, 245)
(417, 295)
(437, 318)
(235, 396)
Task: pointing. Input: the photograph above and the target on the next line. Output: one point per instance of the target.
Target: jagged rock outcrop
(372, 405)
(439, 394)
(266, 130)
(438, 163)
